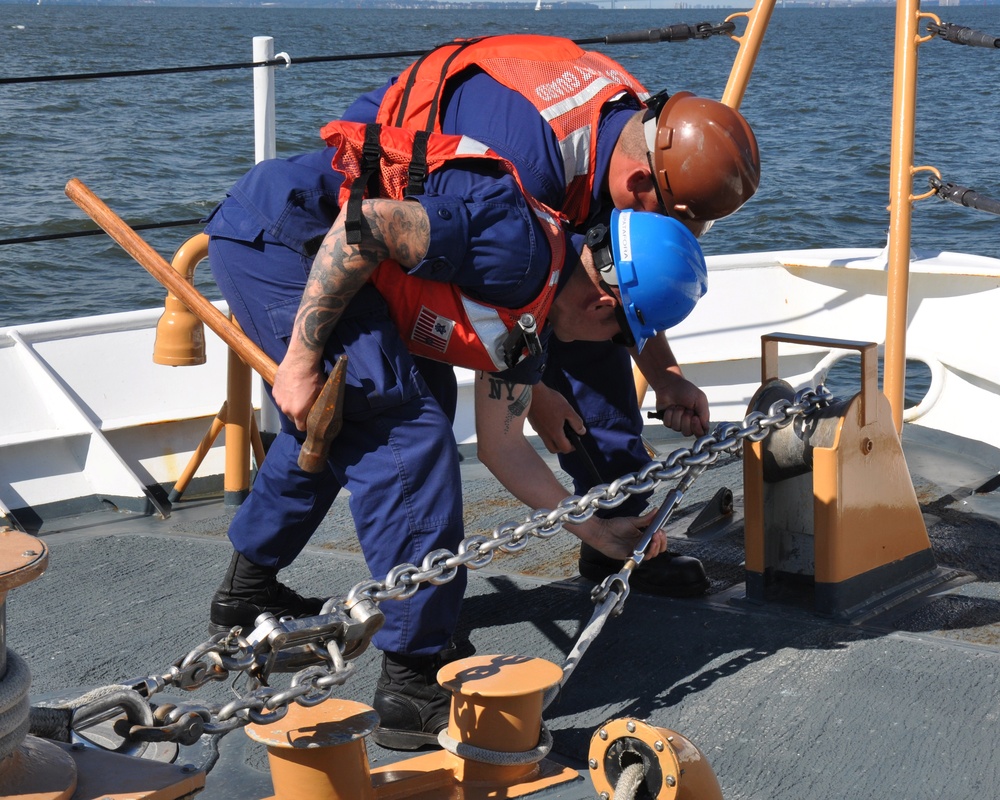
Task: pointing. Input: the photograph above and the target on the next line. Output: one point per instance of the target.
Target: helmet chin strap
(600, 247)
(624, 335)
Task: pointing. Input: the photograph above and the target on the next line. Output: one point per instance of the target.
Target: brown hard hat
(703, 155)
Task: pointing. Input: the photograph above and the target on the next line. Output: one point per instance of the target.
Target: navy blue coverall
(396, 453)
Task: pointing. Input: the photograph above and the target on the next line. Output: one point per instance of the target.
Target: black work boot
(249, 590)
(667, 575)
(412, 707)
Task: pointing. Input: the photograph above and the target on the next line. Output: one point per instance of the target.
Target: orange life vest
(436, 319)
(568, 86)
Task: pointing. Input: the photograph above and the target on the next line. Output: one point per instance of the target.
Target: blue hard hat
(658, 267)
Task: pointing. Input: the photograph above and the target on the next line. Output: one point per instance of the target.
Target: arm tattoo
(504, 390)
(390, 229)
(519, 406)
(499, 387)
(406, 229)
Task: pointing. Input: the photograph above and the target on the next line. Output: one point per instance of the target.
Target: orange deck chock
(180, 334)
(669, 766)
(830, 508)
(320, 752)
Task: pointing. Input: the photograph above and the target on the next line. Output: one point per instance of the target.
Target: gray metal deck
(784, 704)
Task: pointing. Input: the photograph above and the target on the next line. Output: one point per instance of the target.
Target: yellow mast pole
(904, 102)
(739, 76)
(750, 42)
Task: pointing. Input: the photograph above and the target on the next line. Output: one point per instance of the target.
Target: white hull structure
(841, 294)
(89, 420)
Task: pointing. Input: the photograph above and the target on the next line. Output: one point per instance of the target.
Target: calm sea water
(167, 147)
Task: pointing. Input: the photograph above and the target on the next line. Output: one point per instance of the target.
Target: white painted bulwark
(87, 414)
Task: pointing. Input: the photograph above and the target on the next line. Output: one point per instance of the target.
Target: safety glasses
(654, 105)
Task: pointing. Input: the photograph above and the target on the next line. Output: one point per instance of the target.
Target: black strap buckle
(417, 172)
(368, 179)
(523, 336)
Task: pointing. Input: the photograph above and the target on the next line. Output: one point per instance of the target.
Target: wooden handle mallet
(326, 416)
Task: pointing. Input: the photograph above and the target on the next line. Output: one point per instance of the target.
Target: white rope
(629, 782)
(498, 757)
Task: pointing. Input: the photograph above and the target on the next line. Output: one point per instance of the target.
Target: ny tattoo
(499, 387)
(516, 407)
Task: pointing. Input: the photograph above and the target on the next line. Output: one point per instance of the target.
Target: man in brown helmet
(703, 156)
(702, 153)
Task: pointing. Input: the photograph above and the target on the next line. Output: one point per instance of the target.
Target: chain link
(344, 629)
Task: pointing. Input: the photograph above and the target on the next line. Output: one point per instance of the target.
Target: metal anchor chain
(324, 645)
(727, 438)
(477, 551)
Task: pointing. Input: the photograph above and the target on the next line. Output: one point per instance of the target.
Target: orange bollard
(319, 753)
(497, 705)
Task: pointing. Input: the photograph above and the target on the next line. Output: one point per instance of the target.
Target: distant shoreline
(513, 5)
(517, 5)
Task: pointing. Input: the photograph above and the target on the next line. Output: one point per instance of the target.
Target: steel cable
(14, 708)
(48, 237)
(959, 34)
(963, 196)
(671, 33)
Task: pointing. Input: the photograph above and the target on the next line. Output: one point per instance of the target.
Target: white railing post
(263, 99)
(264, 147)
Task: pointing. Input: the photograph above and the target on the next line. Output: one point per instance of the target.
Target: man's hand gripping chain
(618, 583)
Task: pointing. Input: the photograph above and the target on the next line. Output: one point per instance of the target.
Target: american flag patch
(432, 330)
